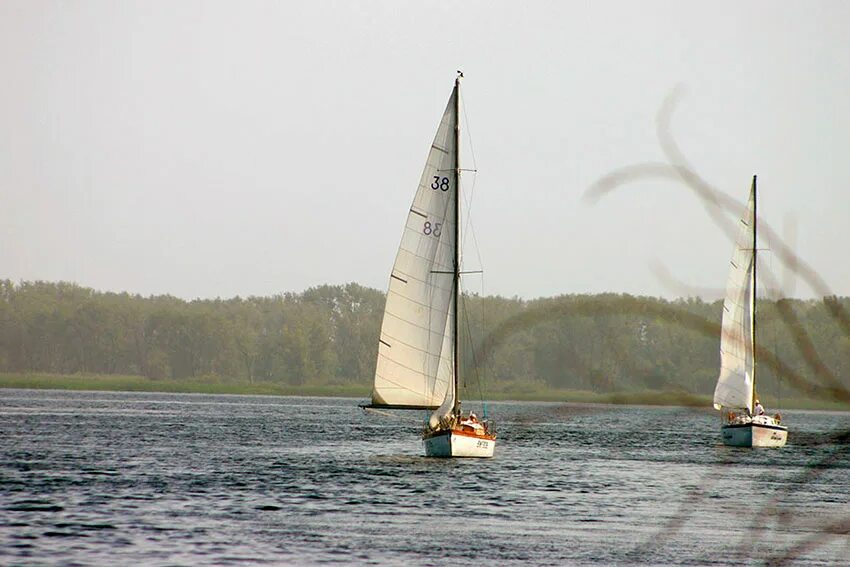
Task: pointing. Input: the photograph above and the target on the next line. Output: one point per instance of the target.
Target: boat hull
(454, 443)
(754, 435)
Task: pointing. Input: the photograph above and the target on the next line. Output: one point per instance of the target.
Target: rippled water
(100, 478)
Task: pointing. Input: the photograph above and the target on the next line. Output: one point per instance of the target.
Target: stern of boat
(458, 443)
(758, 431)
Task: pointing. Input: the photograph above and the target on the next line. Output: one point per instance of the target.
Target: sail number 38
(441, 183)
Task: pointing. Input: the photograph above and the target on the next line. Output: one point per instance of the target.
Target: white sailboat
(743, 423)
(418, 360)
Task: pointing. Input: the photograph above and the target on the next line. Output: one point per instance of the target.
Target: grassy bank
(115, 383)
(515, 391)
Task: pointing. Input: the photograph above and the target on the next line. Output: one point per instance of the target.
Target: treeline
(325, 334)
(328, 335)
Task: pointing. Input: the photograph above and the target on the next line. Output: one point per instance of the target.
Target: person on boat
(471, 421)
(758, 409)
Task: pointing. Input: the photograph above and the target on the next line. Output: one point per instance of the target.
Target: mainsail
(415, 355)
(737, 365)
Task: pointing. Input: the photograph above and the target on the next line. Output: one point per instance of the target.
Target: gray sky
(209, 149)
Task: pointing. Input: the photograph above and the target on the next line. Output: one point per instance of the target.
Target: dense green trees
(328, 335)
(325, 334)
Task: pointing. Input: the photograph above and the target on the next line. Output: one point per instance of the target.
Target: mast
(755, 286)
(457, 245)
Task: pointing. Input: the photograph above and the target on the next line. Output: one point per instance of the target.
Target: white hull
(454, 444)
(754, 434)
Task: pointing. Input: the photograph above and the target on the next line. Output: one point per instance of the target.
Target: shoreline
(117, 383)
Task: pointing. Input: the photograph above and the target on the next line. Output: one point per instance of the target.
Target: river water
(161, 479)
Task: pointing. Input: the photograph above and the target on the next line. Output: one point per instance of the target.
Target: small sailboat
(418, 358)
(743, 422)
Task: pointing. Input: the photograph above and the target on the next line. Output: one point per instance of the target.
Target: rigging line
(477, 251)
(487, 360)
(468, 200)
(480, 373)
(468, 131)
(472, 350)
(467, 228)
(470, 229)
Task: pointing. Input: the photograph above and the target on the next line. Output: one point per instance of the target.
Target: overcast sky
(208, 149)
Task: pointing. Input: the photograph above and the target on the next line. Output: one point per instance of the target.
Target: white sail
(735, 383)
(415, 356)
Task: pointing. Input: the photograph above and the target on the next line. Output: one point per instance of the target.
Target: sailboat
(743, 422)
(418, 358)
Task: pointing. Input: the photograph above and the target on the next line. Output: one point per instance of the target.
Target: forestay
(735, 383)
(415, 366)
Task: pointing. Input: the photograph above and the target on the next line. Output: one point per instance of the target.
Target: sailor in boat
(758, 409)
(472, 424)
